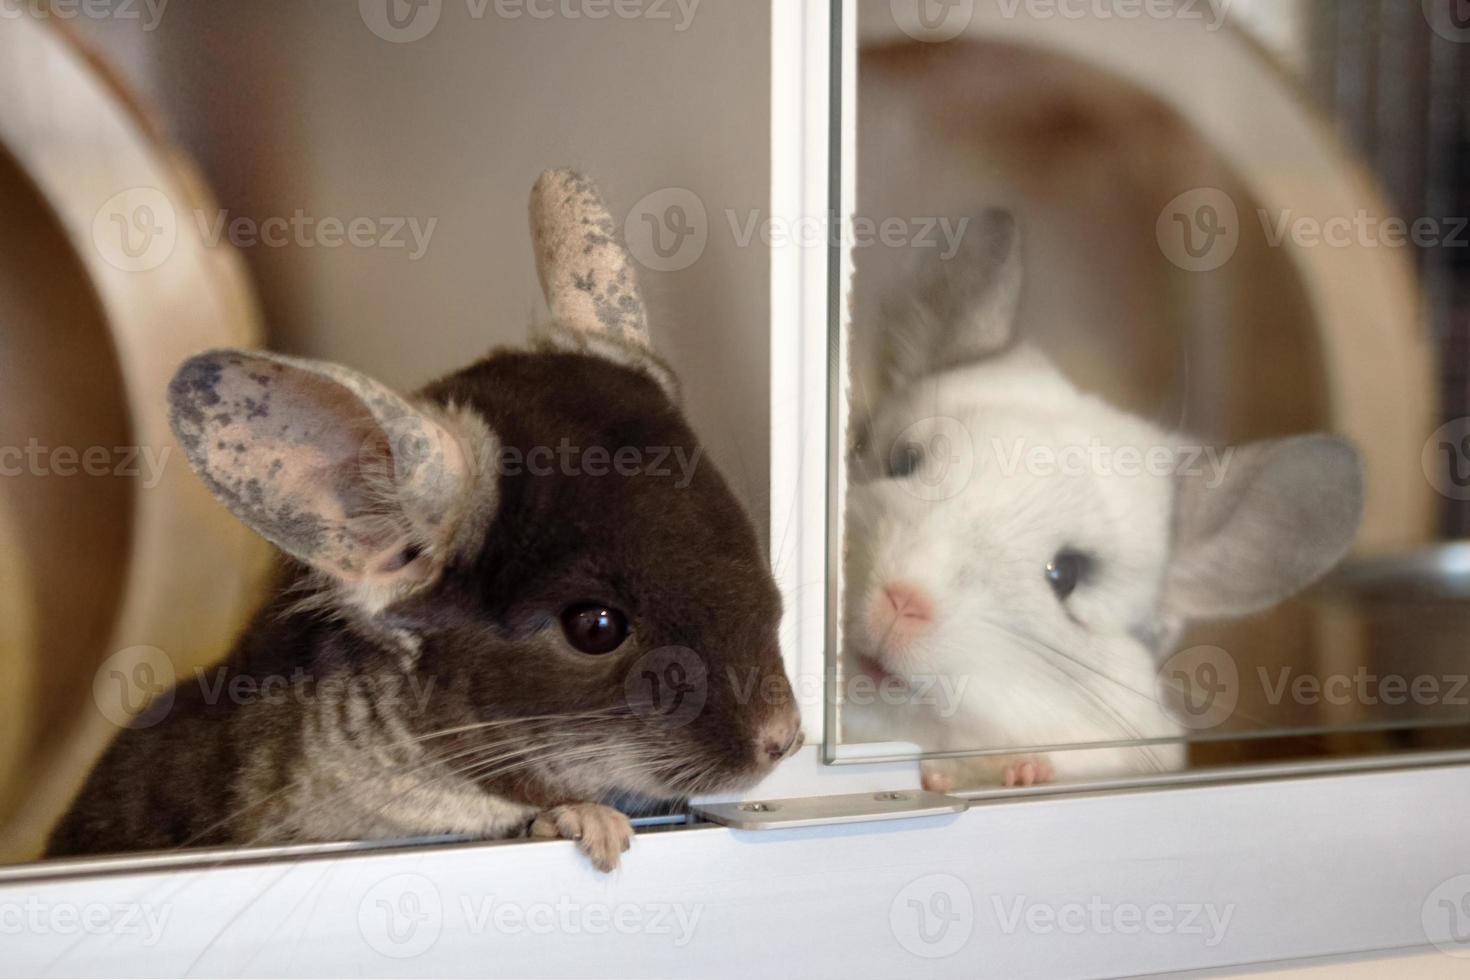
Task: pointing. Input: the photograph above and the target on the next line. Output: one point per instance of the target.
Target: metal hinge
(814, 811)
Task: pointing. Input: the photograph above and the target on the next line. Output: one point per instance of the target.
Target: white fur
(1019, 465)
(1027, 670)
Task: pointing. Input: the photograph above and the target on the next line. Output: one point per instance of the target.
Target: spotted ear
(330, 466)
(588, 277)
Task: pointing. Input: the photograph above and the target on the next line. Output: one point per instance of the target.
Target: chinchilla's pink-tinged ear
(588, 277)
(1276, 517)
(334, 468)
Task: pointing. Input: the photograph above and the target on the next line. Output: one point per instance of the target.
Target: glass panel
(1157, 415)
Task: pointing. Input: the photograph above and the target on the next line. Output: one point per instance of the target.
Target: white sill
(1305, 867)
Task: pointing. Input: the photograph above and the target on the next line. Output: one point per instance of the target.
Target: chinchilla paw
(1027, 772)
(601, 832)
(937, 775)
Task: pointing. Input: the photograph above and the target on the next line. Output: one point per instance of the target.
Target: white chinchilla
(1025, 554)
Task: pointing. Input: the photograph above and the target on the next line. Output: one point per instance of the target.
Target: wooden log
(186, 574)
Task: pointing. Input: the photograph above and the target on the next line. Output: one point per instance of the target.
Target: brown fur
(481, 644)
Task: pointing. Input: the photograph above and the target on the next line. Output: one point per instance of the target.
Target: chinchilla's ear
(333, 468)
(588, 277)
(959, 309)
(1271, 520)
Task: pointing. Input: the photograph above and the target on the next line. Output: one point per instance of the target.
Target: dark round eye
(904, 460)
(1065, 570)
(592, 627)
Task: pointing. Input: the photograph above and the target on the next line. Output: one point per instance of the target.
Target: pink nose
(901, 606)
(780, 736)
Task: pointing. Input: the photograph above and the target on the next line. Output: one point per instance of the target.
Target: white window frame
(1298, 869)
(1310, 864)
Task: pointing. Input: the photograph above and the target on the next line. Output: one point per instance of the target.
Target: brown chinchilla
(513, 598)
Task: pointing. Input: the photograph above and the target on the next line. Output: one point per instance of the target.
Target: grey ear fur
(332, 467)
(585, 272)
(588, 278)
(1285, 513)
(959, 309)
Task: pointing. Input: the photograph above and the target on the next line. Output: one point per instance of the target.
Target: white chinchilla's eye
(1066, 569)
(904, 460)
(860, 464)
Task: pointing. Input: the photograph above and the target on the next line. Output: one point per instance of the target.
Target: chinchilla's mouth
(729, 777)
(871, 667)
(736, 778)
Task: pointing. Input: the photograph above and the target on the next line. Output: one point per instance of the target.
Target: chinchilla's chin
(715, 778)
(636, 804)
(651, 787)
